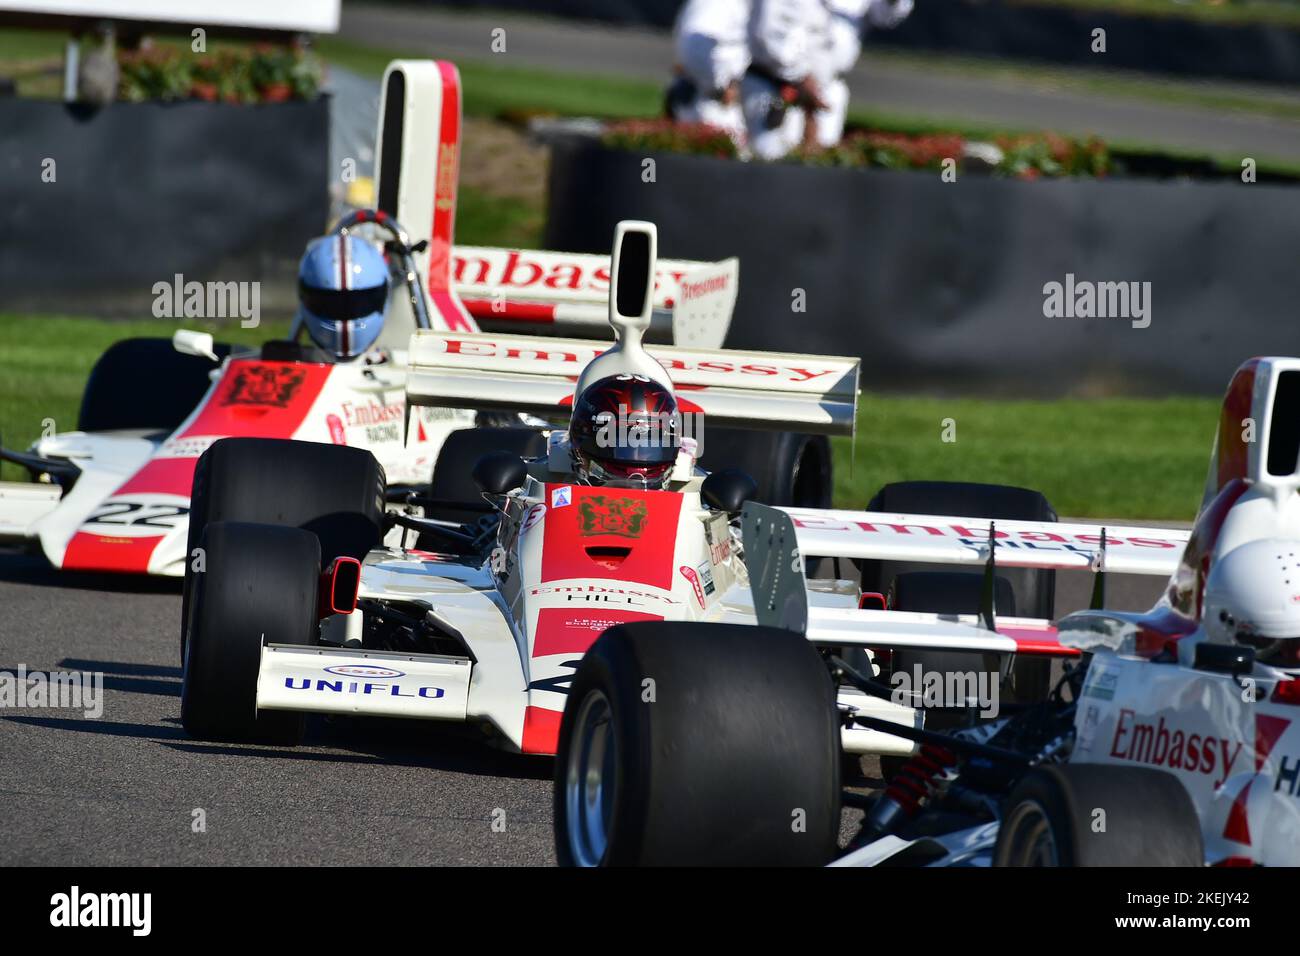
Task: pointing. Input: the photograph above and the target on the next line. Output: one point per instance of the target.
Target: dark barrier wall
(1056, 34)
(940, 285)
(143, 191)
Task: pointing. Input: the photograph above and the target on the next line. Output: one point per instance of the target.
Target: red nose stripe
(252, 400)
(562, 630)
(643, 521)
(97, 552)
(164, 476)
(541, 730)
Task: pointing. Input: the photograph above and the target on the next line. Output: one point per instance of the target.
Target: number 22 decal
(135, 513)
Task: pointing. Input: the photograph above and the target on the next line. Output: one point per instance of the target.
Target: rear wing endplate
(567, 294)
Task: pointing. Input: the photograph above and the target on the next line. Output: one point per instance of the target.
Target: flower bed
(1026, 156)
(260, 74)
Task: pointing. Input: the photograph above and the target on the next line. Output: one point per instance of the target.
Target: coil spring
(917, 780)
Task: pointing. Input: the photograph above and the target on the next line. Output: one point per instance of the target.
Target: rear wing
(809, 393)
(567, 294)
(453, 369)
(965, 541)
(778, 541)
(776, 578)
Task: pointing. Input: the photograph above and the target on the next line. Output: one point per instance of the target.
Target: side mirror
(728, 490)
(498, 472)
(189, 342)
(1234, 659)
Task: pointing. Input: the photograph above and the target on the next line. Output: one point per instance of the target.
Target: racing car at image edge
(1172, 739)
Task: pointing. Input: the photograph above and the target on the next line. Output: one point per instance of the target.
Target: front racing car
(482, 611)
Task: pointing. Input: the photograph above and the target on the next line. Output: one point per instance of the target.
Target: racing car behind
(114, 494)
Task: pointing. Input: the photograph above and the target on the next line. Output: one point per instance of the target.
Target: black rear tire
(452, 479)
(1099, 815)
(735, 761)
(144, 384)
(260, 586)
(333, 491)
(1033, 592)
(947, 592)
(790, 468)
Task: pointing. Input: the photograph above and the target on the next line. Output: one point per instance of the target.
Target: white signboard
(299, 16)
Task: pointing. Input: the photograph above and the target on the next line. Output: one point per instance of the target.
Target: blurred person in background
(800, 51)
(849, 21)
(712, 49)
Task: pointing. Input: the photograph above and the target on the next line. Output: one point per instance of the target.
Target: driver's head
(625, 431)
(342, 294)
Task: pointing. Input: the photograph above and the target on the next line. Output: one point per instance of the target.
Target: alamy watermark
(74, 909)
(179, 299)
(629, 429)
(52, 690)
(1085, 299)
(923, 688)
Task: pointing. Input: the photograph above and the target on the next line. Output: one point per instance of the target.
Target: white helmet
(1253, 593)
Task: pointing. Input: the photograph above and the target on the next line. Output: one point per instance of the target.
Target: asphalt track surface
(122, 789)
(879, 83)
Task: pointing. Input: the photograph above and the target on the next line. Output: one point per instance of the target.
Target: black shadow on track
(17, 567)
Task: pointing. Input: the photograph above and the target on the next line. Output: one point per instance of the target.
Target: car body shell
(128, 510)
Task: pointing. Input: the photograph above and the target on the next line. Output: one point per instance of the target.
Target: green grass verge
(486, 220)
(45, 360)
(493, 90)
(1105, 458)
(1114, 458)
(1284, 13)
(1220, 95)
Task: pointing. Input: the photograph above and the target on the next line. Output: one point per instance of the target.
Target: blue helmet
(342, 294)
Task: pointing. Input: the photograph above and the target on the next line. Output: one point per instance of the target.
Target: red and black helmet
(625, 429)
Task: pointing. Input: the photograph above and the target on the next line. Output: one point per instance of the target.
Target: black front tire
(1099, 815)
(259, 586)
(333, 491)
(698, 744)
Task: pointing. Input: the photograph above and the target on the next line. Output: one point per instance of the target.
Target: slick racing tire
(791, 469)
(1032, 592)
(335, 492)
(260, 586)
(1099, 815)
(452, 473)
(144, 383)
(698, 744)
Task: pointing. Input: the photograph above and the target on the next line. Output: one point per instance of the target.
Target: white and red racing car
(295, 605)
(1172, 737)
(114, 495)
